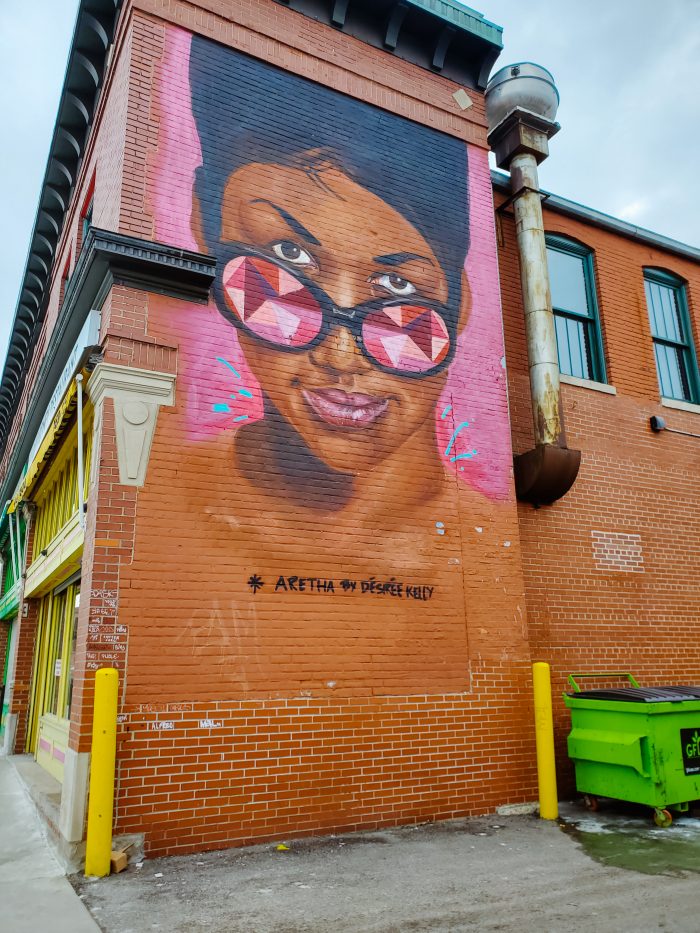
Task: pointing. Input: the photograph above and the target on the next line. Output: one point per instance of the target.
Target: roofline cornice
(553, 202)
(442, 36)
(93, 34)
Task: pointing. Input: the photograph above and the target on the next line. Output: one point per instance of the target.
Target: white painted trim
(111, 378)
(63, 556)
(588, 384)
(681, 406)
(137, 395)
(76, 769)
(81, 483)
(8, 747)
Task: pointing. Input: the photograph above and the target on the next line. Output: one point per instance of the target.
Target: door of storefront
(52, 683)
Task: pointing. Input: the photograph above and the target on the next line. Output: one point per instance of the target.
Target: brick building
(264, 386)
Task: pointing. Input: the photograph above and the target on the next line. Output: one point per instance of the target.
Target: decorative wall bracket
(137, 395)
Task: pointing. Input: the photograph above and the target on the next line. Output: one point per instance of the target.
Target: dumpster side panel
(638, 752)
(677, 752)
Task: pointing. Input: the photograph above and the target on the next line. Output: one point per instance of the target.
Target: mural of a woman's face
(319, 223)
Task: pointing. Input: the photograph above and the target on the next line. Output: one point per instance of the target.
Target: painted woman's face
(356, 248)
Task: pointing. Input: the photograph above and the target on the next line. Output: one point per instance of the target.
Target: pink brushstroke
(475, 392)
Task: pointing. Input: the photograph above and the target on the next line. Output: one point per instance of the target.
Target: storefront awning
(47, 445)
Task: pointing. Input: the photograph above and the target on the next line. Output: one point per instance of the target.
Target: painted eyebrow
(291, 222)
(398, 259)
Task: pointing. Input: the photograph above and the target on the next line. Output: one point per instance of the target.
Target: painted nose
(339, 353)
(344, 289)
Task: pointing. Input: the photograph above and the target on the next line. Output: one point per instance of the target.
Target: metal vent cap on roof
(524, 86)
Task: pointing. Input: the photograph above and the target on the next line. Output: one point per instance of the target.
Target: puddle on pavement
(626, 837)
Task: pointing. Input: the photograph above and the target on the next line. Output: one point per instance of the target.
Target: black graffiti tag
(393, 588)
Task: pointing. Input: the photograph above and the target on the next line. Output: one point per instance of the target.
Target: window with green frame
(676, 362)
(572, 284)
(86, 221)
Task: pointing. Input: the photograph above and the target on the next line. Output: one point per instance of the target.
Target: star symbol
(255, 583)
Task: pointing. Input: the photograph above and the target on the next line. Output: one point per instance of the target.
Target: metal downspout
(543, 362)
(521, 102)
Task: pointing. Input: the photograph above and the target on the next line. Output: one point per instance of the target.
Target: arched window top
(567, 243)
(664, 276)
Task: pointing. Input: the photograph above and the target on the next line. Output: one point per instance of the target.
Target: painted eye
(394, 284)
(291, 252)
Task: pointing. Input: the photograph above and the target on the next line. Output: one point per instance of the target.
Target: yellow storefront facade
(56, 483)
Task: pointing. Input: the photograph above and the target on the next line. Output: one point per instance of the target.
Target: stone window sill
(681, 406)
(588, 384)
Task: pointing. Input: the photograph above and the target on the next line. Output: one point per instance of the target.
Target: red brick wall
(266, 30)
(103, 635)
(208, 775)
(250, 716)
(611, 571)
(23, 672)
(23, 633)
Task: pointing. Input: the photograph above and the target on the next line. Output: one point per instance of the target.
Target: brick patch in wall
(618, 552)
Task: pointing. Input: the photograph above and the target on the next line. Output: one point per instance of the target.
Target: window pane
(578, 341)
(58, 621)
(672, 376)
(71, 658)
(573, 347)
(567, 281)
(87, 220)
(563, 345)
(663, 311)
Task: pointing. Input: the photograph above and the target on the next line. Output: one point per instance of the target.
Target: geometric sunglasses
(287, 311)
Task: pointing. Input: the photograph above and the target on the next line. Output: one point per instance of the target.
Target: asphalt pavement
(607, 872)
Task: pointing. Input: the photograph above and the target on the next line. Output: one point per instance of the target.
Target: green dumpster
(639, 744)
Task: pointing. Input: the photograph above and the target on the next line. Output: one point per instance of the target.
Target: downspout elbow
(545, 473)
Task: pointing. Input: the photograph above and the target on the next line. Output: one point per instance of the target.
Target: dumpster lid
(641, 694)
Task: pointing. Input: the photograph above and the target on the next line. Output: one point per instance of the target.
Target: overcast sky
(627, 72)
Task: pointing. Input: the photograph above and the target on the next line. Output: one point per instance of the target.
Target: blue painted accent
(240, 418)
(466, 456)
(464, 424)
(245, 393)
(446, 412)
(221, 408)
(226, 363)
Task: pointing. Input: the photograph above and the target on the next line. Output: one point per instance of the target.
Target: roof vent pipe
(521, 104)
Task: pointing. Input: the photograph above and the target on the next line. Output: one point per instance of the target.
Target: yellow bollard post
(544, 737)
(102, 761)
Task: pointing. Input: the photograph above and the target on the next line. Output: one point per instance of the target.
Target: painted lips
(345, 409)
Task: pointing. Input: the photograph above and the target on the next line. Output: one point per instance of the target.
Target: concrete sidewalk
(34, 892)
